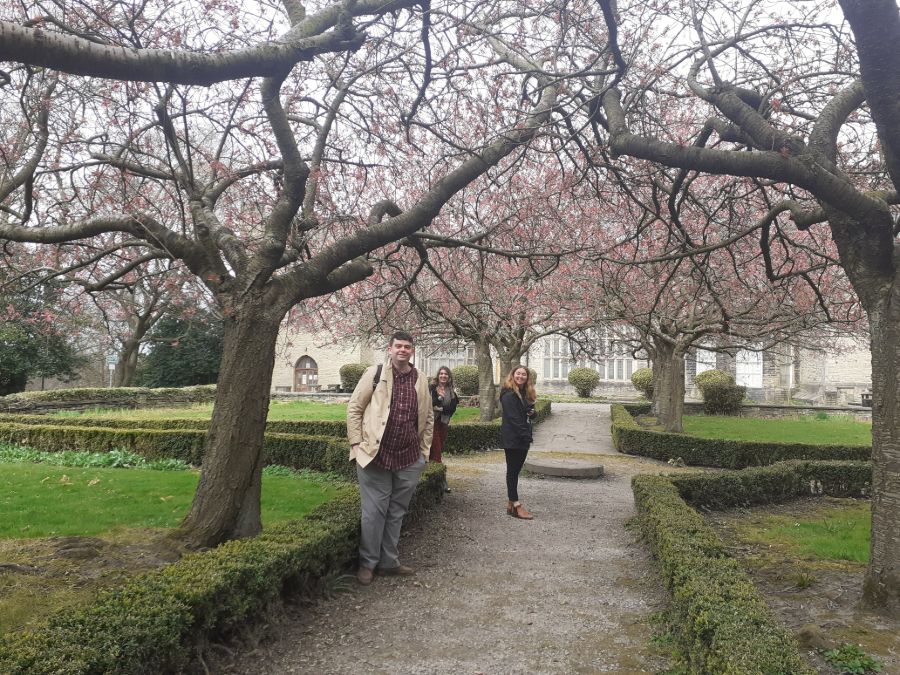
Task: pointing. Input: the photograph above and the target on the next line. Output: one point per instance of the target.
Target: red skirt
(438, 440)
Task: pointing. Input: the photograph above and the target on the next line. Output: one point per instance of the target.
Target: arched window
(306, 374)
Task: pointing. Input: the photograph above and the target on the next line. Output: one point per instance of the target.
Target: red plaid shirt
(400, 442)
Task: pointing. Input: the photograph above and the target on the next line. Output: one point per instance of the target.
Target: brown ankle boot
(520, 512)
(510, 509)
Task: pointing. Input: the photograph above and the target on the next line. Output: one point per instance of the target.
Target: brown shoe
(520, 512)
(364, 575)
(510, 509)
(398, 571)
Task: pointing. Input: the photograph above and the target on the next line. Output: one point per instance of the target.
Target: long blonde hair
(509, 383)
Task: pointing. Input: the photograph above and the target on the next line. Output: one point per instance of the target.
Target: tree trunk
(668, 391)
(123, 376)
(226, 504)
(882, 582)
(509, 359)
(487, 391)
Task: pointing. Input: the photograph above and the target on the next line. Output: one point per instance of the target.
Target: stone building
(307, 362)
(840, 376)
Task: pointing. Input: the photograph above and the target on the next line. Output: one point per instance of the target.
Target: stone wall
(776, 411)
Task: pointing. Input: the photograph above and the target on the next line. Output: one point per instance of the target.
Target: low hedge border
(118, 396)
(462, 438)
(723, 624)
(155, 622)
(303, 428)
(320, 453)
(629, 438)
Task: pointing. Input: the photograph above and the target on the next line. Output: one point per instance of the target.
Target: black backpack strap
(377, 376)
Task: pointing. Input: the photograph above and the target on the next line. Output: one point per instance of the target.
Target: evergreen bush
(642, 380)
(585, 380)
(722, 623)
(630, 438)
(465, 379)
(350, 374)
(155, 623)
(721, 396)
(294, 443)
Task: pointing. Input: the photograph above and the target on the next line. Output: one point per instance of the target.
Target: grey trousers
(385, 499)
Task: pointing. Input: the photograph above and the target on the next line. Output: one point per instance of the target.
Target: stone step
(563, 468)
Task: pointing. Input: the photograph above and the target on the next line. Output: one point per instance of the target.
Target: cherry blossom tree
(657, 275)
(257, 147)
(801, 100)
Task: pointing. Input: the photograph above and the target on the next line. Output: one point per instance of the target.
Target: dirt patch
(820, 600)
(41, 576)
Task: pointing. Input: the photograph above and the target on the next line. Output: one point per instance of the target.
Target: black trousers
(515, 458)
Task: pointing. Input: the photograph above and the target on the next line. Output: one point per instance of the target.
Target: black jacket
(515, 429)
(449, 407)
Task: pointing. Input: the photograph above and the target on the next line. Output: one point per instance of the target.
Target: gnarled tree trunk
(882, 582)
(226, 504)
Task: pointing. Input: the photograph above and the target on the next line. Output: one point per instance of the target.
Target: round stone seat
(563, 468)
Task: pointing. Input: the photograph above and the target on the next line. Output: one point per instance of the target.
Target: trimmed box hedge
(114, 396)
(781, 482)
(462, 438)
(337, 429)
(723, 623)
(321, 453)
(154, 623)
(630, 438)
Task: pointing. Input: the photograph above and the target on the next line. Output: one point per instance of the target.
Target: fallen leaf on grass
(94, 481)
(65, 480)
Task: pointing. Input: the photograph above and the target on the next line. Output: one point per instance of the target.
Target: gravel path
(569, 592)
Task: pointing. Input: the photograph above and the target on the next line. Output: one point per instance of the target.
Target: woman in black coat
(517, 401)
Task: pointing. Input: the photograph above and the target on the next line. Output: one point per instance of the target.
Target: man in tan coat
(389, 425)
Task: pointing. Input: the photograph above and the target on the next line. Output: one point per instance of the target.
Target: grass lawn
(278, 410)
(37, 500)
(834, 430)
(836, 529)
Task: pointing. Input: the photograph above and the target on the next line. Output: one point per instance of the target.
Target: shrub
(322, 453)
(123, 397)
(154, 623)
(585, 380)
(465, 379)
(642, 380)
(721, 396)
(299, 444)
(630, 438)
(350, 374)
(708, 377)
(723, 624)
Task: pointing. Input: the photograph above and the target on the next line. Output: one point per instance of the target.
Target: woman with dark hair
(444, 400)
(517, 399)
